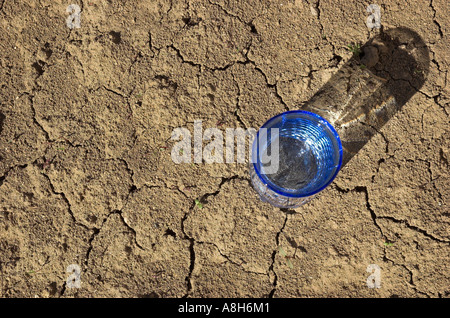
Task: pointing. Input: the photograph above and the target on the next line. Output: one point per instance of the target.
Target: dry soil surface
(86, 175)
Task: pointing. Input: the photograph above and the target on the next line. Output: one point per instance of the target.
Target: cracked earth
(86, 176)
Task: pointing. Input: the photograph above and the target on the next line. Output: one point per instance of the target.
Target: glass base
(269, 196)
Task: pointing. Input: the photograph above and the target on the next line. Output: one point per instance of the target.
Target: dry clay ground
(86, 176)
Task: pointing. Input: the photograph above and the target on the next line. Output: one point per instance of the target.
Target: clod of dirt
(115, 37)
(39, 67)
(46, 49)
(370, 57)
(189, 21)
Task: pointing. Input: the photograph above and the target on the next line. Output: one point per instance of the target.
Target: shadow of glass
(372, 86)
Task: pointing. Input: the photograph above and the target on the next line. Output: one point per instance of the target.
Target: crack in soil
(66, 200)
(223, 68)
(274, 253)
(203, 66)
(226, 12)
(191, 253)
(203, 198)
(435, 21)
(31, 99)
(411, 275)
(238, 103)
(364, 190)
(274, 86)
(369, 208)
(191, 240)
(97, 230)
(3, 177)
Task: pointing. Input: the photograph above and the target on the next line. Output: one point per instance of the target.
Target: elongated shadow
(372, 86)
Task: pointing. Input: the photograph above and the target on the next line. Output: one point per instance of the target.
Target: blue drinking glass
(295, 155)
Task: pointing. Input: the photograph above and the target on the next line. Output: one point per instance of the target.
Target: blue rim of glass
(335, 134)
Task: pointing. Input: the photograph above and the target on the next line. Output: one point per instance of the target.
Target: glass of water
(295, 155)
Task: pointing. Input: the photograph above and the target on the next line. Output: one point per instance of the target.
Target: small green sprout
(288, 261)
(355, 49)
(362, 66)
(197, 203)
(388, 243)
